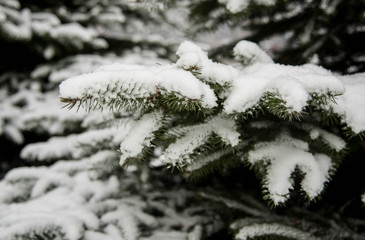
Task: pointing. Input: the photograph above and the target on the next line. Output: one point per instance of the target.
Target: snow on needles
(192, 56)
(265, 229)
(283, 156)
(137, 82)
(246, 87)
(294, 84)
(195, 136)
(140, 135)
(70, 202)
(249, 52)
(351, 104)
(236, 6)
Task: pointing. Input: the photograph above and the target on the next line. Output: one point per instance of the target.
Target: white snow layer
(263, 229)
(67, 199)
(330, 139)
(250, 52)
(192, 56)
(76, 145)
(136, 81)
(293, 84)
(178, 152)
(351, 104)
(283, 156)
(235, 6)
(40, 113)
(140, 135)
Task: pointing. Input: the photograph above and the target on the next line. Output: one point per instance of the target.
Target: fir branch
(218, 159)
(275, 229)
(276, 105)
(172, 102)
(143, 138)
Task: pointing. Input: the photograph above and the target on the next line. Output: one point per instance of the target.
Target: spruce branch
(215, 114)
(269, 230)
(142, 138)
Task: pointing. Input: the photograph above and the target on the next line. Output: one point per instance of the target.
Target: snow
(196, 234)
(277, 229)
(113, 231)
(226, 129)
(108, 18)
(86, 206)
(57, 208)
(140, 135)
(125, 219)
(330, 139)
(29, 173)
(48, 117)
(202, 161)
(13, 133)
(11, 3)
(89, 163)
(55, 148)
(191, 55)
(73, 30)
(2, 16)
(294, 84)
(178, 152)
(21, 30)
(250, 52)
(315, 133)
(39, 223)
(135, 82)
(283, 156)
(236, 6)
(82, 199)
(46, 17)
(37, 112)
(77, 145)
(350, 105)
(166, 235)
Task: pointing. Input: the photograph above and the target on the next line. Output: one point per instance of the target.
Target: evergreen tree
(227, 125)
(47, 30)
(206, 117)
(45, 42)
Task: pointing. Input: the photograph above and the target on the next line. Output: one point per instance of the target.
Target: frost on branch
(140, 136)
(282, 156)
(182, 151)
(192, 58)
(218, 116)
(292, 87)
(248, 53)
(276, 229)
(23, 107)
(236, 6)
(134, 86)
(77, 145)
(350, 105)
(87, 199)
(57, 29)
